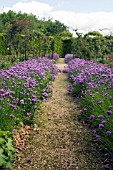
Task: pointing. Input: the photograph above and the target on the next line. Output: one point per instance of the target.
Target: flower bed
(22, 88)
(92, 83)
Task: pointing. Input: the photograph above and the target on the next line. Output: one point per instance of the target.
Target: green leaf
(2, 157)
(1, 151)
(10, 145)
(2, 140)
(9, 165)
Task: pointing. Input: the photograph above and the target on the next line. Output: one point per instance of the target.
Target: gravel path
(61, 142)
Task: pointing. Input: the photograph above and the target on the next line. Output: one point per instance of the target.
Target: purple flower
(38, 101)
(16, 100)
(110, 97)
(109, 112)
(101, 126)
(108, 132)
(12, 116)
(14, 130)
(84, 109)
(94, 131)
(15, 108)
(34, 98)
(97, 136)
(68, 57)
(91, 117)
(104, 122)
(107, 117)
(54, 56)
(22, 101)
(111, 107)
(29, 160)
(100, 116)
(35, 106)
(81, 81)
(28, 114)
(100, 102)
(21, 92)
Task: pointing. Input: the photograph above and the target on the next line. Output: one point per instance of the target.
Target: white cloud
(84, 22)
(36, 8)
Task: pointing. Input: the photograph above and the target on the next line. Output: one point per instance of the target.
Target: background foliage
(23, 36)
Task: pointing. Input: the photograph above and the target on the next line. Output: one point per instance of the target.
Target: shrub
(53, 56)
(6, 150)
(68, 57)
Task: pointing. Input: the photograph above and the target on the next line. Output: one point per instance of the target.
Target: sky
(83, 15)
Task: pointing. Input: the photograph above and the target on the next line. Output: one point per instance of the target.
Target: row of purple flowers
(92, 83)
(22, 88)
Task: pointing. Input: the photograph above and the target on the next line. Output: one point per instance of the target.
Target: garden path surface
(61, 142)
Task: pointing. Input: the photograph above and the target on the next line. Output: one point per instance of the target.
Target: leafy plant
(7, 150)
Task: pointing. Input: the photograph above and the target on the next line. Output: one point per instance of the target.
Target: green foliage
(3, 48)
(25, 35)
(5, 64)
(92, 46)
(53, 28)
(6, 150)
(21, 58)
(67, 45)
(58, 46)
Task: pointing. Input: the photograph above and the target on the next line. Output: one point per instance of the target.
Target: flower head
(12, 116)
(100, 116)
(84, 109)
(97, 136)
(108, 132)
(94, 131)
(101, 126)
(109, 112)
(14, 130)
(29, 160)
(91, 117)
(22, 101)
(104, 122)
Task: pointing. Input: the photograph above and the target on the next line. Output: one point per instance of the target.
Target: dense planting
(22, 88)
(92, 83)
